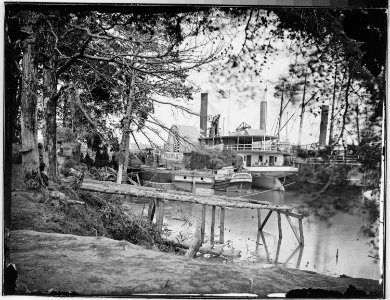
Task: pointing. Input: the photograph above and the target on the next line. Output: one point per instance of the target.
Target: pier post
(293, 229)
(151, 209)
(258, 229)
(301, 232)
(280, 226)
(222, 226)
(265, 220)
(203, 225)
(193, 184)
(160, 215)
(212, 225)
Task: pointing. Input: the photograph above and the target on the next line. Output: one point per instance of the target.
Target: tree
(28, 91)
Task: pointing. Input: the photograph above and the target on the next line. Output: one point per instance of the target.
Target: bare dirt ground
(102, 266)
(54, 248)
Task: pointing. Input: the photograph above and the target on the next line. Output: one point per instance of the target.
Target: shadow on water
(298, 250)
(335, 243)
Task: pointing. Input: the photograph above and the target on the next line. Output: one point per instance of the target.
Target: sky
(241, 109)
(243, 106)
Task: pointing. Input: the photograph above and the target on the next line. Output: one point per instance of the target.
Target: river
(334, 242)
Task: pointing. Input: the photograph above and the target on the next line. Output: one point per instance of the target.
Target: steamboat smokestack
(263, 115)
(263, 112)
(323, 125)
(203, 114)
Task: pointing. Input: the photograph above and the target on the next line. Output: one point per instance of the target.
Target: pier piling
(301, 232)
(151, 209)
(203, 225)
(222, 226)
(212, 225)
(280, 226)
(265, 220)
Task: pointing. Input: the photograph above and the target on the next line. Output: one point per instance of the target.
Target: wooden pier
(158, 197)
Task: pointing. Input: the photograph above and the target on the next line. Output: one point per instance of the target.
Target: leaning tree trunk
(51, 98)
(281, 112)
(125, 143)
(30, 156)
(346, 107)
(11, 107)
(302, 111)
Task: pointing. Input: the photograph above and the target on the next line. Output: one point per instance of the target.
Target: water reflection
(334, 243)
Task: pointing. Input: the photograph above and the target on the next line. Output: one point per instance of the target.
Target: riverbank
(102, 266)
(62, 247)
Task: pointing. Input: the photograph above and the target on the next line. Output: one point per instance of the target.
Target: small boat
(236, 182)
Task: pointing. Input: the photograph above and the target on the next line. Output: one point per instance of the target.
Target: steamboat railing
(251, 147)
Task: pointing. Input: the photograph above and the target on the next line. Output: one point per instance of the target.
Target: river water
(334, 242)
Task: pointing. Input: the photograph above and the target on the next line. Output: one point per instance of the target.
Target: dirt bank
(102, 266)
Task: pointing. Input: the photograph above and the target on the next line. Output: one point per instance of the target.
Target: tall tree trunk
(280, 112)
(30, 156)
(302, 111)
(11, 108)
(357, 123)
(125, 142)
(51, 98)
(346, 106)
(333, 103)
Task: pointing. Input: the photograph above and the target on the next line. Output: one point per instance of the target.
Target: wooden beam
(212, 225)
(278, 251)
(149, 192)
(293, 228)
(301, 232)
(203, 225)
(258, 219)
(291, 214)
(161, 215)
(280, 226)
(265, 220)
(157, 213)
(222, 226)
(152, 209)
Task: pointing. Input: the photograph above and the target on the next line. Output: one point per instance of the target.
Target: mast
(280, 112)
(263, 115)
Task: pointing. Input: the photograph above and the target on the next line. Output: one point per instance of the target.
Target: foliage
(136, 230)
(213, 159)
(66, 166)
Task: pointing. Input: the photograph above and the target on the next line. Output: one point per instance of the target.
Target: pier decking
(157, 198)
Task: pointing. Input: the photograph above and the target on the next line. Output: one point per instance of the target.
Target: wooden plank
(265, 220)
(291, 214)
(161, 215)
(151, 209)
(222, 226)
(149, 192)
(157, 212)
(193, 184)
(258, 219)
(203, 225)
(301, 232)
(278, 251)
(293, 228)
(280, 226)
(212, 225)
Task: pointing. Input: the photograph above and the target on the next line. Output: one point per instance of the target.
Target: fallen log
(217, 250)
(148, 192)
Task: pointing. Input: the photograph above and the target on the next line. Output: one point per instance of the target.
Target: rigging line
(310, 175)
